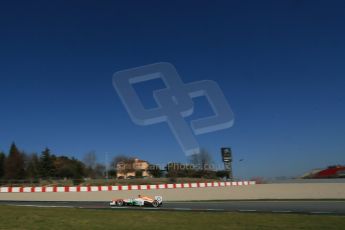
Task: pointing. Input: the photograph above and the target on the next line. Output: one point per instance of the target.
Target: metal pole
(106, 166)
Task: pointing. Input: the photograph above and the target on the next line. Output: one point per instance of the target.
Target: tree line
(18, 165)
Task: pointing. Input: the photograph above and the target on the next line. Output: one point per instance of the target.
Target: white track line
(39, 206)
(322, 212)
(282, 211)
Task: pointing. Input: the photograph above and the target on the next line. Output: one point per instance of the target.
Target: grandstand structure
(336, 171)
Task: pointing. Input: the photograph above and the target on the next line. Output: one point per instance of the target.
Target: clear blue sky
(281, 65)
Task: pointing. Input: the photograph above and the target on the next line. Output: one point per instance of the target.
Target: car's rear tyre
(155, 204)
(119, 203)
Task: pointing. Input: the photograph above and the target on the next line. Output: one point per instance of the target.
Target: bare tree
(99, 171)
(91, 167)
(90, 159)
(202, 160)
(123, 163)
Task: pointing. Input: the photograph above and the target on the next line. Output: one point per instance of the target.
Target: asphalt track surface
(277, 206)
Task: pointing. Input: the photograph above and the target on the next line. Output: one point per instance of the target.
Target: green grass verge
(71, 218)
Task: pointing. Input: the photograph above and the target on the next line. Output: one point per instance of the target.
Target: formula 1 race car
(140, 201)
